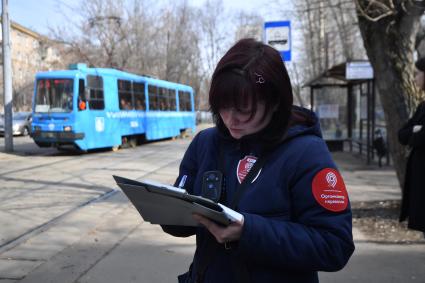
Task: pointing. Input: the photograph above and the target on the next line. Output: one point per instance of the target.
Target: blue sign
(278, 35)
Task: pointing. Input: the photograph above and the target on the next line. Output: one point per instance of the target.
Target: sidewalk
(374, 262)
(367, 182)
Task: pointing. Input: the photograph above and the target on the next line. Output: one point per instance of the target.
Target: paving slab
(379, 263)
(16, 269)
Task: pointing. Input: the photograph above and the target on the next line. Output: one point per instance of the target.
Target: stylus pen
(182, 181)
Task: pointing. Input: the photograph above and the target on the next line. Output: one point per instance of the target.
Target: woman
(296, 212)
(413, 135)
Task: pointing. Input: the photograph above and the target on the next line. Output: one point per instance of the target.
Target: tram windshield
(54, 95)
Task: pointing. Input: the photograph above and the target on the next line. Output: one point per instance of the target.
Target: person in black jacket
(413, 135)
(277, 172)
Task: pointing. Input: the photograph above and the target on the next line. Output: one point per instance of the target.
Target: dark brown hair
(252, 71)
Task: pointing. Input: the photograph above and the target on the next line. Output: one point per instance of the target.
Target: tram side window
(139, 96)
(172, 99)
(153, 98)
(95, 90)
(185, 103)
(189, 102)
(82, 100)
(164, 104)
(124, 95)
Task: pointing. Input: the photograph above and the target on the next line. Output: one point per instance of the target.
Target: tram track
(44, 226)
(18, 239)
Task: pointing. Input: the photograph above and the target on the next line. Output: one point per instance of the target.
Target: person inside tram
(125, 104)
(140, 105)
(67, 101)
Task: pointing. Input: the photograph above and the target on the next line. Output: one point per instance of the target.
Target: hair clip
(259, 78)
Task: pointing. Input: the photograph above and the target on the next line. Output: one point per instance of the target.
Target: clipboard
(163, 204)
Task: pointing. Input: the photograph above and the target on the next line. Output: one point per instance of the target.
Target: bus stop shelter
(345, 101)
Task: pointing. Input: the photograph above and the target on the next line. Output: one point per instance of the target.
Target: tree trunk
(389, 44)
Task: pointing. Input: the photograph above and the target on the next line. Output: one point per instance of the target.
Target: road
(50, 199)
(63, 219)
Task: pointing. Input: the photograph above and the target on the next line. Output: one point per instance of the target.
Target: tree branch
(381, 10)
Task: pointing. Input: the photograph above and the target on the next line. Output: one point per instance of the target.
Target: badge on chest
(244, 166)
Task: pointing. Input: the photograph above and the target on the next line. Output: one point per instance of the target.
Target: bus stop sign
(278, 35)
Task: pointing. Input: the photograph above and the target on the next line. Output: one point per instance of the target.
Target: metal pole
(373, 115)
(7, 79)
(350, 115)
(311, 98)
(368, 136)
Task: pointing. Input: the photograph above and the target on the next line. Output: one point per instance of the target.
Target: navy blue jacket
(287, 235)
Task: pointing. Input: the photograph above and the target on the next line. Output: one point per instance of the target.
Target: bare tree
(296, 83)
(98, 33)
(331, 33)
(176, 42)
(389, 28)
(180, 40)
(179, 45)
(215, 34)
(248, 25)
(137, 36)
(214, 40)
(344, 14)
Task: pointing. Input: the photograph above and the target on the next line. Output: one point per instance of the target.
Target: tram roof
(71, 73)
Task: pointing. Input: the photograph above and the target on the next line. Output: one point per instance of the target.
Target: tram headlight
(67, 128)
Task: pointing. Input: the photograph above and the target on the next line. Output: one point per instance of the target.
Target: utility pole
(7, 79)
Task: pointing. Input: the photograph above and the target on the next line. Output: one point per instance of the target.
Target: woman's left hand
(222, 234)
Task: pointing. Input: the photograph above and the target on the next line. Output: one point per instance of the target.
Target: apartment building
(31, 52)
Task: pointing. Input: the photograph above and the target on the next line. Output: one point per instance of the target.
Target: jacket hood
(304, 122)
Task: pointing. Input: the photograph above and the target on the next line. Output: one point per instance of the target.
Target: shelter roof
(334, 76)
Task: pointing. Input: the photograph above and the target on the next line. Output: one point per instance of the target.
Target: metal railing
(365, 143)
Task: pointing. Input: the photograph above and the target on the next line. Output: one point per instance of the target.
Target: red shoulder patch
(329, 190)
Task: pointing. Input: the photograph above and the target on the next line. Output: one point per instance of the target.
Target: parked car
(21, 123)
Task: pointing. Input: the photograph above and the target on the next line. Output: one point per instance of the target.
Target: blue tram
(92, 108)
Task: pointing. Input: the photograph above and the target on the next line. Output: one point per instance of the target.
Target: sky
(39, 14)
(35, 14)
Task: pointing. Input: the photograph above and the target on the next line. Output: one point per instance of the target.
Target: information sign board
(278, 35)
